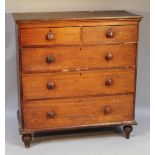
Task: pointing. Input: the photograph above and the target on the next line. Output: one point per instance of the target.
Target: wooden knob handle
(109, 82)
(108, 56)
(50, 85)
(50, 114)
(110, 34)
(49, 36)
(49, 59)
(107, 110)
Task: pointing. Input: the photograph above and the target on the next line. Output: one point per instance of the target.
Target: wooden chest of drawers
(76, 70)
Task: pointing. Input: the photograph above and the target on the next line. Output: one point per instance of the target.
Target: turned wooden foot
(127, 130)
(27, 138)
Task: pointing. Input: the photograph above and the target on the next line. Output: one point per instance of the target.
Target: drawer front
(109, 34)
(65, 113)
(59, 58)
(68, 84)
(50, 36)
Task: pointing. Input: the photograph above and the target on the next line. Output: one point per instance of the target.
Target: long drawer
(69, 84)
(74, 57)
(50, 36)
(65, 113)
(110, 34)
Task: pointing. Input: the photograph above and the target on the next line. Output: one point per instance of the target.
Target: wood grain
(70, 84)
(37, 36)
(97, 35)
(74, 57)
(75, 112)
(90, 83)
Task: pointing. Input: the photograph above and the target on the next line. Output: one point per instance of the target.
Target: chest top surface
(75, 15)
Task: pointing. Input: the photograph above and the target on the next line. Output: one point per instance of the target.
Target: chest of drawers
(76, 70)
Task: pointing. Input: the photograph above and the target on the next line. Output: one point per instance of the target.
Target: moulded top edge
(75, 15)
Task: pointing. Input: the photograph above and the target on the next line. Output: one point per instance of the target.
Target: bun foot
(27, 139)
(127, 130)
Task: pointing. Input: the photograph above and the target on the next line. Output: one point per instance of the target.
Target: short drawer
(65, 113)
(49, 36)
(110, 34)
(59, 58)
(69, 84)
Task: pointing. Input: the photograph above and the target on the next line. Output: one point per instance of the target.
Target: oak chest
(76, 70)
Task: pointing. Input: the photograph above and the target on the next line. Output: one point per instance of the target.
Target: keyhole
(80, 49)
(80, 74)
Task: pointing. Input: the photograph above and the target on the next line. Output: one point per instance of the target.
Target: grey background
(108, 143)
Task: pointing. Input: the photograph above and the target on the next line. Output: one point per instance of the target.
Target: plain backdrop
(13, 142)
